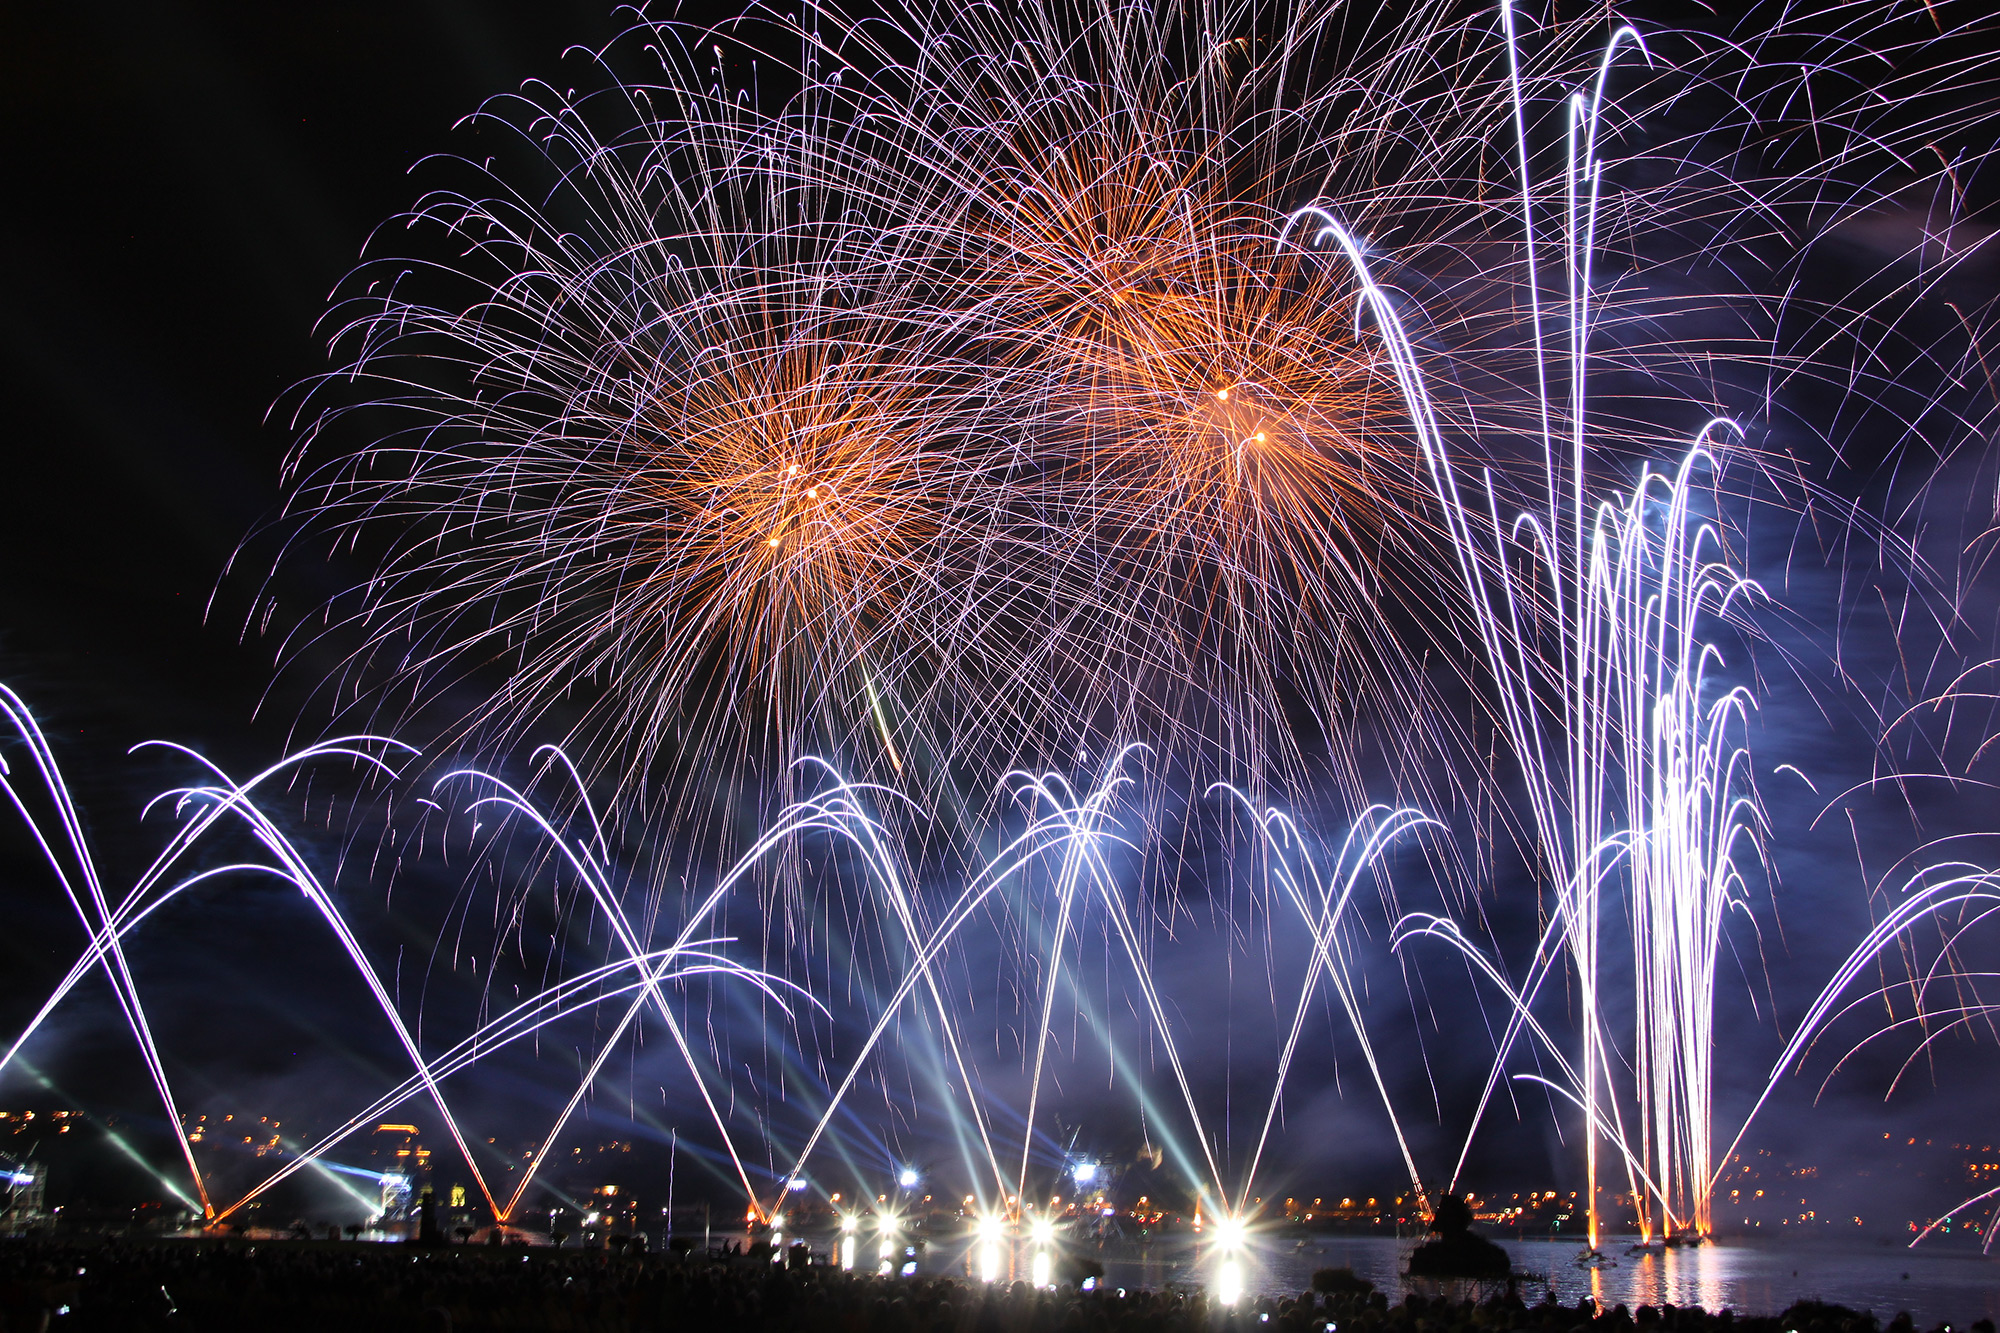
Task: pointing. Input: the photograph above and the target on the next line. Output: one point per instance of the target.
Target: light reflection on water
(1752, 1277)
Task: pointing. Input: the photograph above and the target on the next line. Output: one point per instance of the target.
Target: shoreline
(299, 1286)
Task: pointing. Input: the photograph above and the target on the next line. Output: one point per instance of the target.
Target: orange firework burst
(776, 513)
(1243, 524)
(1223, 404)
(1239, 456)
(668, 499)
(968, 404)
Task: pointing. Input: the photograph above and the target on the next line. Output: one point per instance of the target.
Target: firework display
(827, 430)
(976, 403)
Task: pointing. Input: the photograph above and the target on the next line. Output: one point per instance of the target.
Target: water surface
(1955, 1285)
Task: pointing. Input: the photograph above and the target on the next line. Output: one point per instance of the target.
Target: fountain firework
(60, 836)
(1659, 802)
(1057, 868)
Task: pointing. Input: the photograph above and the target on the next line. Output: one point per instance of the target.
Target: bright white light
(1229, 1232)
(795, 1186)
(849, 1223)
(1043, 1231)
(847, 1255)
(909, 1178)
(989, 1228)
(989, 1261)
(1039, 1269)
(1229, 1282)
(1085, 1172)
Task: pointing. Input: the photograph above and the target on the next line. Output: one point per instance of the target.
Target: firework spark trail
(106, 937)
(975, 409)
(1687, 800)
(972, 398)
(837, 810)
(105, 948)
(155, 888)
(846, 799)
(526, 1020)
(1691, 776)
(972, 407)
(211, 805)
(1083, 855)
(592, 872)
(300, 873)
(677, 465)
(1598, 665)
(232, 798)
(1069, 829)
(1054, 830)
(1375, 830)
(1073, 829)
(1523, 1020)
(1952, 895)
(1085, 820)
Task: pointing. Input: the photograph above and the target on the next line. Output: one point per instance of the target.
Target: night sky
(192, 183)
(187, 183)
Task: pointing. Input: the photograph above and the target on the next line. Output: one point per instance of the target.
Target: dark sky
(186, 185)
(191, 182)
